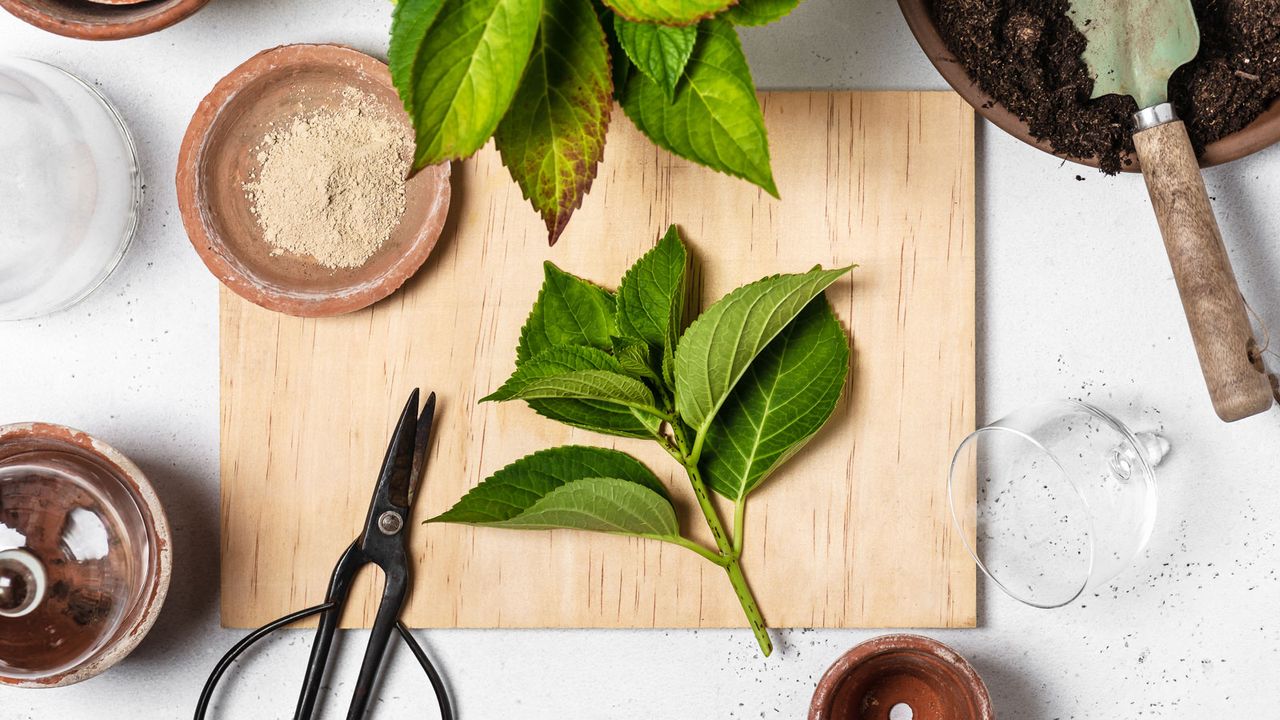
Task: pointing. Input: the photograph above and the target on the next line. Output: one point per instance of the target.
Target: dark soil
(1026, 55)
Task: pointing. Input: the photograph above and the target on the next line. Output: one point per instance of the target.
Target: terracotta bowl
(95, 481)
(901, 677)
(102, 20)
(217, 158)
(1263, 132)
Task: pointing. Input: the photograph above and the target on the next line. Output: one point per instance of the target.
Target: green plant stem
(739, 523)
(709, 511)
(733, 566)
(695, 453)
(655, 412)
(707, 553)
(749, 606)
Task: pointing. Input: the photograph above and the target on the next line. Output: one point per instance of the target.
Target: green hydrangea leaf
(636, 358)
(759, 12)
(595, 415)
(651, 296)
(410, 22)
(659, 51)
(598, 385)
(668, 12)
(720, 346)
(602, 417)
(619, 65)
(569, 311)
(715, 120)
(552, 137)
(457, 71)
(787, 394)
(607, 505)
(669, 356)
(573, 487)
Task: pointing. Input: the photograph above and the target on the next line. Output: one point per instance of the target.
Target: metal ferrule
(1154, 116)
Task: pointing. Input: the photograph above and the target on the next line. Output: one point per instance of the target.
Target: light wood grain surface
(854, 531)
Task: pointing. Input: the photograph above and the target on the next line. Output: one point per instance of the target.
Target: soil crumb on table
(1026, 55)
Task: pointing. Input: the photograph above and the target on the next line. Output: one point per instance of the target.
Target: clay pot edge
(81, 30)
(200, 229)
(831, 679)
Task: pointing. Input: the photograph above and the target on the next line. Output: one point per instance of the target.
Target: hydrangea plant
(731, 398)
(541, 76)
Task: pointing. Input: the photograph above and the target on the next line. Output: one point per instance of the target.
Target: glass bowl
(70, 192)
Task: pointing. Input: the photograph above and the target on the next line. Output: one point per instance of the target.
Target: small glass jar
(70, 192)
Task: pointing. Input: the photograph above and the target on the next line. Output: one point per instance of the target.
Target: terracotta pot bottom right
(901, 677)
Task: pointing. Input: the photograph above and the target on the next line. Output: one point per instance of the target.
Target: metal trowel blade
(1135, 45)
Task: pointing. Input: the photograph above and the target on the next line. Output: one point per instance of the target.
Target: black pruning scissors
(382, 543)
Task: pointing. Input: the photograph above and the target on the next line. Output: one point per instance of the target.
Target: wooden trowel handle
(1238, 384)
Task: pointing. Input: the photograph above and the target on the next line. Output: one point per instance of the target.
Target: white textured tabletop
(1075, 298)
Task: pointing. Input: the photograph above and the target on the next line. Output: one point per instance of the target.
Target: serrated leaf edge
(630, 274)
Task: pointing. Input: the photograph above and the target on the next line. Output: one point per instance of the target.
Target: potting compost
(1026, 55)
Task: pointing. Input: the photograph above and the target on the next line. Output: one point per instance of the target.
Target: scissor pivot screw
(390, 522)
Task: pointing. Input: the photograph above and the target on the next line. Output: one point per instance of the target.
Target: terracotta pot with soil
(1021, 64)
(1018, 63)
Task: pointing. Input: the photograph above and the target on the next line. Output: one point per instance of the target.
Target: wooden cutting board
(854, 531)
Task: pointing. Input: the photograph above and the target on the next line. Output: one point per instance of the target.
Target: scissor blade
(397, 467)
(422, 442)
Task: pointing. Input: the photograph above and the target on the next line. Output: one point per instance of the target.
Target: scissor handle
(393, 594)
(224, 664)
(437, 682)
(339, 585)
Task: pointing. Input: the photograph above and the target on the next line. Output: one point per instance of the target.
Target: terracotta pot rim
(143, 616)
(141, 24)
(210, 247)
(898, 643)
(1263, 132)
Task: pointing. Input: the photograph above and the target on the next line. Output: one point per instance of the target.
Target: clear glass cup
(70, 189)
(1065, 499)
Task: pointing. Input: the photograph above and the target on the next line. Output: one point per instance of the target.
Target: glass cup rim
(1144, 468)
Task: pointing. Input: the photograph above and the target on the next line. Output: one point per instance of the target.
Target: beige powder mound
(331, 183)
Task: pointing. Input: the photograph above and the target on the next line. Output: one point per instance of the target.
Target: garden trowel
(1133, 48)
